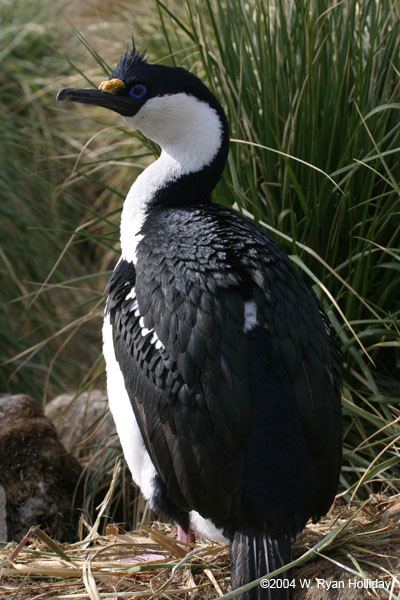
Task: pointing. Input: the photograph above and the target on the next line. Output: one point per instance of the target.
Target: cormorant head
(164, 103)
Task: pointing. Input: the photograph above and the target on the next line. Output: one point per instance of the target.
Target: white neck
(190, 134)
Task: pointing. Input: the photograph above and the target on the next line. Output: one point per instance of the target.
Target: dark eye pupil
(138, 91)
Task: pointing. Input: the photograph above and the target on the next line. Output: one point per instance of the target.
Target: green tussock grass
(312, 96)
(36, 223)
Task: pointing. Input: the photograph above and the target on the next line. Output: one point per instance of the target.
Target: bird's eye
(138, 91)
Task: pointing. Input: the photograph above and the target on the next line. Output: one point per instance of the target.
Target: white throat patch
(189, 132)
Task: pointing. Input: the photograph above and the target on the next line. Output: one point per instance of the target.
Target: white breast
(136, 455)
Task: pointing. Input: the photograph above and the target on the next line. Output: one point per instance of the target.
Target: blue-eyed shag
(223, 375)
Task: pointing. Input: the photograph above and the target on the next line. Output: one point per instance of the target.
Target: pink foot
(188, 537)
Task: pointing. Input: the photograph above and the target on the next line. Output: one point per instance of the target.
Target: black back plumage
(242, 427)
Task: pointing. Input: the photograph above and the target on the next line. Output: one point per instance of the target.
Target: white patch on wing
(189, 132)
(154, 338)
(132, 293)
(134, 307)
(205, 528)
(250, 315)
(143, 330)
(136, 455)
(159, 345)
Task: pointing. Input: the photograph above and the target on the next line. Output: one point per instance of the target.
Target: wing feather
(191, 391)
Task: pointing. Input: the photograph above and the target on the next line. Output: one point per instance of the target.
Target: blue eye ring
(138, 91)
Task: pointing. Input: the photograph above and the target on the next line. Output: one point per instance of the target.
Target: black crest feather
(129, 63)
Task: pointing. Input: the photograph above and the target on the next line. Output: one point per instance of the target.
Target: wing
(187, 363)
(179, 340)
(305, 345)
(307, 363)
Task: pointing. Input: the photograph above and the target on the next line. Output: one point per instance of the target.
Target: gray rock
(83, 423)
(38, 475)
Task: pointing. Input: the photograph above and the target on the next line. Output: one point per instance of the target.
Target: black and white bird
(223, 376)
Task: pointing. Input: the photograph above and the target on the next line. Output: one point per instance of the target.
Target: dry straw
(354, 544)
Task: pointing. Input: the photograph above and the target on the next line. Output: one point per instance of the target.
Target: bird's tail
(256, 554)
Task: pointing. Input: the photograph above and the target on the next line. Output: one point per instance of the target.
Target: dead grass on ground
(149, 563)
